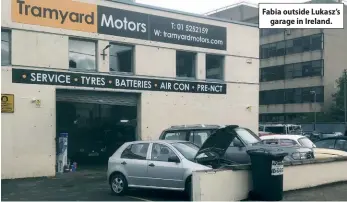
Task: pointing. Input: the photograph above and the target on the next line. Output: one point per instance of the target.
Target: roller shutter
(97, 97)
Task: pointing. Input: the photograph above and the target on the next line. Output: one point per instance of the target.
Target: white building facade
(176, 68)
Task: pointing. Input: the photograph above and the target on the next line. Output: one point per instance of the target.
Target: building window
(281, 48)
(316, 42)
(268, 32)
(5, 48)
(121, 58)
(272, 73)
(290, 71)
(292, 46)
(297, 70)
(185, 64)
(82, 55)
(214, 67)
(292, 95)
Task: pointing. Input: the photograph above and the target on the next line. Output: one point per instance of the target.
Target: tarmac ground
(91, 185)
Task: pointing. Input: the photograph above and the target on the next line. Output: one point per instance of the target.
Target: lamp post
(104, 51)
(315, 111)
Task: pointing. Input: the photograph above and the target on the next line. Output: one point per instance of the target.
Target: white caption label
(296, 15)
(277, 168)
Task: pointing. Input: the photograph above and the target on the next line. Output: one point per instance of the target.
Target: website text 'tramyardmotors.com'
(187, 37)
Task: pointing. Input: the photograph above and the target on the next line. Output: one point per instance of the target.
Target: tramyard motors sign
(74, 15)
(28, 76)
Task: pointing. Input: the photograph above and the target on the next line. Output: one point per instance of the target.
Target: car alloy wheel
(118, 184)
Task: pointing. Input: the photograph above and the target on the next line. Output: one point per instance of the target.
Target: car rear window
(175, 135)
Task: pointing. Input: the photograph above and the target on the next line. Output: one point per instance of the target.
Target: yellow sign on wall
(65, 14)
(7, 103)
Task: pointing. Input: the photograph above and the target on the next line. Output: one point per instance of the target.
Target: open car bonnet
(219, 141)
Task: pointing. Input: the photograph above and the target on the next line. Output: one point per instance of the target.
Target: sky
(204, 6)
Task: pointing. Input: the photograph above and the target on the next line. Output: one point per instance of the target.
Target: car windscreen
(247, 136)
(187, 149)
(275, 129)
(305, 142)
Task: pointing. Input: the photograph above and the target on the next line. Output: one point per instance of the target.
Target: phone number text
(189, 28)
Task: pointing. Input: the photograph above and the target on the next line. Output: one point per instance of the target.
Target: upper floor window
(294, 70)
(5, 48)
(292, 95)
(185, 64)
(121, 58)
(268, 32)
(82, 55)
(214, 67)
(292, 46)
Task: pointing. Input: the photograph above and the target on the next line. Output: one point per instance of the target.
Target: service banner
(74, 15)
(29, 76)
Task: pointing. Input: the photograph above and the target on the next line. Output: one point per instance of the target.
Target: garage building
(106, 72)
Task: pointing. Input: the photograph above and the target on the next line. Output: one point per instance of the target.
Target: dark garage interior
(95, 130)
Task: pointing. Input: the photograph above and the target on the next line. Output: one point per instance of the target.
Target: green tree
(337, 107)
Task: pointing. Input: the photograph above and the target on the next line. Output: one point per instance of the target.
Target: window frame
(96, 54)
(187, 132)
(172, 150)
(9, 32)
(293, 141)
(132, 72)
(287, 71)
(222, 68)
(193, 132)
(292, 46)
(194, 62)
(266, 97)
(129, 148)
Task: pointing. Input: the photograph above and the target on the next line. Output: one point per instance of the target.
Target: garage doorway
(97, 124)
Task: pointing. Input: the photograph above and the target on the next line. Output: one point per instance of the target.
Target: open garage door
(97, 97)
(97, 123)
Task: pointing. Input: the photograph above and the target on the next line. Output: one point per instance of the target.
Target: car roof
(157, 141)
(291, 137)
(194, 127)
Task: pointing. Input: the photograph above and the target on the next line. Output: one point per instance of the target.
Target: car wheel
(119, 184)
(188, 188)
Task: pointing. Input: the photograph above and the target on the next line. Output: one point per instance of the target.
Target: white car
(288, 140)
(299, 140)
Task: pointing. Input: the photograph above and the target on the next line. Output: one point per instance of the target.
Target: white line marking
(142, 199)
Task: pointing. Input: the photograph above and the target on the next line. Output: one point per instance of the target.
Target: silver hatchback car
(159, 164)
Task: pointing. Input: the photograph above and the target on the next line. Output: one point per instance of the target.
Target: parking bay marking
(142, 199)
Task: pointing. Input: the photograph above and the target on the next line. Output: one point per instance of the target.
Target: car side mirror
(174, 159)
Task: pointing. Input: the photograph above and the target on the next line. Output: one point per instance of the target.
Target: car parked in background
(299, 140)
(288, 140)
(334, 142)
(235, 141)
(284, 129)
(197, 133)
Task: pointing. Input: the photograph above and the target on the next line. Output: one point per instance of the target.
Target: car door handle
(152, 165)
(123, 163)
